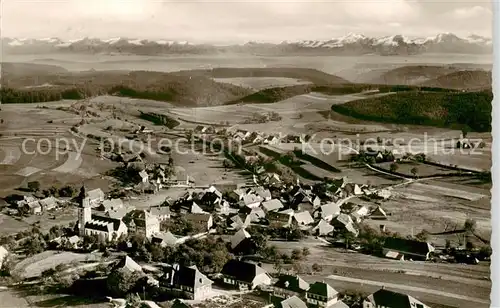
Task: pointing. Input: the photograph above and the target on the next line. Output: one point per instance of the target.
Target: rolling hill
(452, 109)
(412, 75)
(312, 75)
(183, 90)
(462, 80)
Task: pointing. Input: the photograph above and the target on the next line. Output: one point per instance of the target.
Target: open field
(423, 170)
(260, 83)
(460, 280)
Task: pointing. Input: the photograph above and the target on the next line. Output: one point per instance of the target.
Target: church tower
(84, 211)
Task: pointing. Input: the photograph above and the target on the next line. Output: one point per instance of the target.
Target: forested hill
(452, 109)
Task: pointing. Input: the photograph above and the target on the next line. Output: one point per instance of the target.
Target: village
(212, 245)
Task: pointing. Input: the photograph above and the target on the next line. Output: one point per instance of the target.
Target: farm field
(423, 170)
(260, 83)
(457, 279)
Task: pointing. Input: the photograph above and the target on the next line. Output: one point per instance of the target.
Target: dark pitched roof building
(398, 248)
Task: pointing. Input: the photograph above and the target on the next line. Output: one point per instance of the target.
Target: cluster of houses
(285, 291)
(35, 206)
(243, 136)
(235, 210)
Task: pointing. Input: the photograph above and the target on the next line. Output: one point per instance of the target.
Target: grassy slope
(425, 108)
(475, 80)
(410, 75)
(312, 75)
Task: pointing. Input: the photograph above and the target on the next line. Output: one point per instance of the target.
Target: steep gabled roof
(303, 218)
(292, 283)
(127, 263)
(242, 271)
(329, 209)
(272, 205)
(293, 302)
(239, 237)
(189, 276)
(390, 299)
(409, 246)
(323, 289)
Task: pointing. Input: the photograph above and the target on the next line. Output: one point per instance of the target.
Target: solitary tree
(470, 225)
(414, 171)
(394, 167)
(34, 186)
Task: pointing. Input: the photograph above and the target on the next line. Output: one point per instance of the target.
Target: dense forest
(459, 109)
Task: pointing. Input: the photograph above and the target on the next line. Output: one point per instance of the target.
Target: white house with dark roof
(187, 281)
(251, 201)
(390, 299)
(272, 205)
(48, 203)
(323, 228)
(292, 302)
(239, 237)
(321, 294)
(144, 176)
(303, 219)
(161, 212)
(95, 197)
(244, 275)
(288, 286)
(328, 211)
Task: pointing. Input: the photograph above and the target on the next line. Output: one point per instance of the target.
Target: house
(188, 206)
(104, 227)
(256, 216)
(117, 214)
(203, 220)
(344, 222)
(303, 218)
(179, 304)
(271, 140)
(245, 134)
(210, 200)
(242, 243)
(110, 205)
(323, 228)
(292, 302)
(378, 214)
(142, 221)
(289, 286)
(244, 275)
(33, 207)
(251, 201)
(314, 200)
(283, 219)
(95, 197)
(397, 248)
(128, 264)
(144, 176)
(390, 299)
(165, 239)
(272, 179)
(352, 189)
(48, 203)
(161, 212)
(237, 223)
(188, 282)
(464, 143)
(3, 255)
(263, 193)
(328, 211)
(223, 208)
(359, 213)
(272, 205)
(321, 294)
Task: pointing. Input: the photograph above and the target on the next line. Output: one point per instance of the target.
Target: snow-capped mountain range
(350, 44)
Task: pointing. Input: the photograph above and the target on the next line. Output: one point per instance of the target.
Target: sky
(233, 21)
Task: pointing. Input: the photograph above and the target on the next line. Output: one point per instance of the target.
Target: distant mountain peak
(351, 43)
